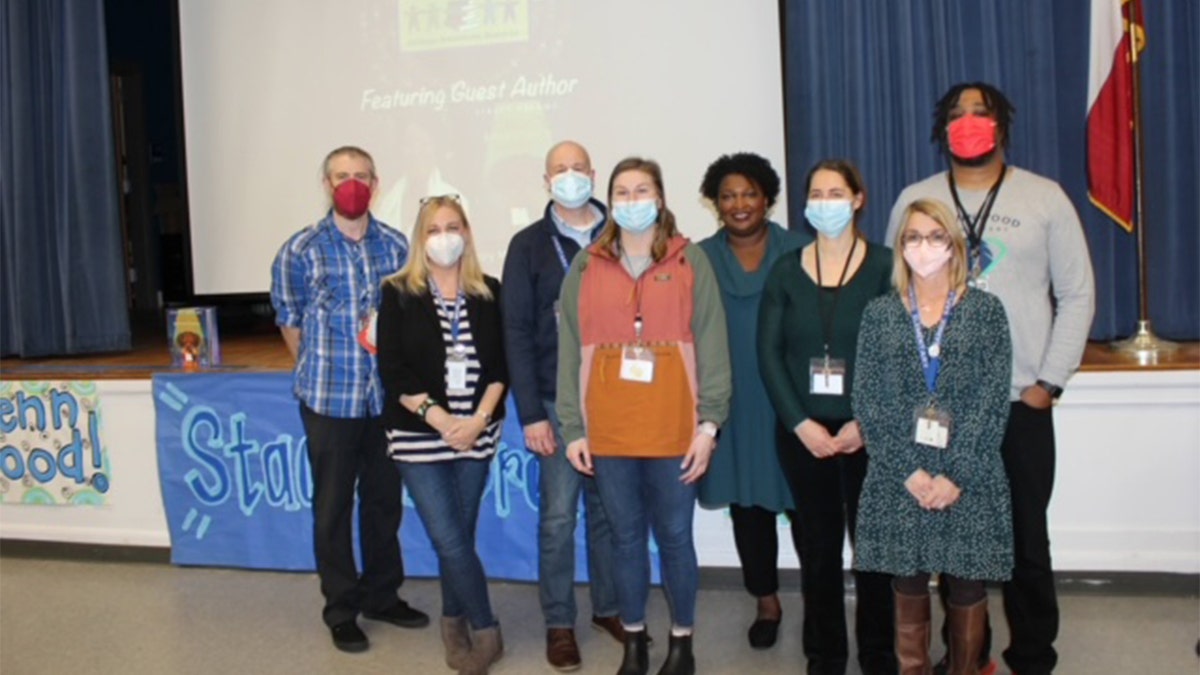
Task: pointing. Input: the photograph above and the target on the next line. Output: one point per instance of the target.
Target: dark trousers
(826, 493)
(756, 536)
(345, 453)
(1030, 599)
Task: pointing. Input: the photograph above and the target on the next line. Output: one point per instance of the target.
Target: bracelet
(487, 416)
(423, 409)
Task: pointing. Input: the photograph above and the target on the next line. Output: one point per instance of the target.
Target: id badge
(977, 279)
(932, 427)
(827, 376)
(366, 332)
(637, 364)
(456, 373)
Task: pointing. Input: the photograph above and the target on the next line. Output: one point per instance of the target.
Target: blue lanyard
(562, 257)
(458, 304)
(931, 355)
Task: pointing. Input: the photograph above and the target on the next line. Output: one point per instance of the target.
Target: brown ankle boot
(456, 639)
(966, 637)
(912, 634)
(487, 646)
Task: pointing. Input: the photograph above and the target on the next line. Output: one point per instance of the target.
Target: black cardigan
(412, 355)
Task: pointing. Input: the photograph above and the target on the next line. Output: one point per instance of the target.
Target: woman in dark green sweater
(807, 336)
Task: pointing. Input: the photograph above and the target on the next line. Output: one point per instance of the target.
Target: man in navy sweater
(534, 268)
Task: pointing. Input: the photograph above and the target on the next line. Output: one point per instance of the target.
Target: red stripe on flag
(1110, 137)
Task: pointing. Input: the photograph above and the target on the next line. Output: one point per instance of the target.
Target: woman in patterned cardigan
(931, 395)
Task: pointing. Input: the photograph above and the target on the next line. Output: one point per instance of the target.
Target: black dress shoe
(348, 637)
(763, 633)
(400, 614)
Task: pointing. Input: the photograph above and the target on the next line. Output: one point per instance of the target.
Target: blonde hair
(413, 278)
(664, 229)
(942, 215)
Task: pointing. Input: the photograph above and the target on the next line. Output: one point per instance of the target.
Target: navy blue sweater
(533, 276)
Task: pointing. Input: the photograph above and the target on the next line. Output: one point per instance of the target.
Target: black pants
(344, 452)
(1030, 599)
(826, 493)
(757, 541)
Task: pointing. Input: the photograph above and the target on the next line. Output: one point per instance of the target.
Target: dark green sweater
(790, 333)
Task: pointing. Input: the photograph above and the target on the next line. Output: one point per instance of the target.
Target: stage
(1128, 457)
(262, 350)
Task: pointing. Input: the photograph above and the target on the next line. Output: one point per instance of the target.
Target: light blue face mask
(636, 217)
(571, 189)
(830, 217)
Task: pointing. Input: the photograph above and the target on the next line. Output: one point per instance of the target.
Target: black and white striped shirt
(416, 446)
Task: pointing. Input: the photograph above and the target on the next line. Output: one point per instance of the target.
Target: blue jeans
(447, 495)
(641, 493)
(559, 488)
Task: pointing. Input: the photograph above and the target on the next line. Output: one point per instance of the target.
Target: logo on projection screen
(427, 25)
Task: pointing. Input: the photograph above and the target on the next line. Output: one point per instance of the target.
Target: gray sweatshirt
(1040, 269)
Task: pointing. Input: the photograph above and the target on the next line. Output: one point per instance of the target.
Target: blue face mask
(571, 189)
(830, 217)
(636, 217)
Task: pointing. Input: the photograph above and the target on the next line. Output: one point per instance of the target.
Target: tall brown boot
(912, 634)
(966, 637)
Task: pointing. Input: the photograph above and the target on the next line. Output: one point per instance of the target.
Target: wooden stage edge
(265, 352)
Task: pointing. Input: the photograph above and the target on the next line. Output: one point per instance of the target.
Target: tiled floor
(102, 617)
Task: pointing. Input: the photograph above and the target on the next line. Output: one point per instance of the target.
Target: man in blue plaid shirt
(325, 287)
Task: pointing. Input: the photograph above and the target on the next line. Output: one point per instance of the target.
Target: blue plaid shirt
(326, 285)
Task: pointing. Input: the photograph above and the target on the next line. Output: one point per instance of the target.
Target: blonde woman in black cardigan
(441, 359)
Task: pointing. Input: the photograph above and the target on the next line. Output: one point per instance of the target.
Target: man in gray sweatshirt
(1026, 246)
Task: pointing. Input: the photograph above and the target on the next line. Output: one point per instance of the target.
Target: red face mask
(971, 136)
(351, 198)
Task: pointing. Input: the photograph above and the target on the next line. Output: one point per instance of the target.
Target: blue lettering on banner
(51, 450)
(237, 484)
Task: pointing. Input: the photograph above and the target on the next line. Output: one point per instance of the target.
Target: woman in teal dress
(745, 473)
(931, 393)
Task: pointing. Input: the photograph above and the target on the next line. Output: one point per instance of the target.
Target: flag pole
(1143, 346)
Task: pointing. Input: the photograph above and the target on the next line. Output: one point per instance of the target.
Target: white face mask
(926, 260)
(444, 248)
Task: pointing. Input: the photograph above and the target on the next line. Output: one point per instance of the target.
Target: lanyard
(562, 257)
(931, 355)
(976, 226)
(638, 324)
(827, 318)
(459, 348)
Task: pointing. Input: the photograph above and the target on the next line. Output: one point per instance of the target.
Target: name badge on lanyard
(931, 424)
(456, 354)
(637, 361)
(827, 376)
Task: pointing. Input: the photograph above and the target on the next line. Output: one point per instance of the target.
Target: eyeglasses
(937, 239)
(452, 197)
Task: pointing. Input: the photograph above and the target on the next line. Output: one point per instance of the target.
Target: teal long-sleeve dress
(745, 467)
(972, 538)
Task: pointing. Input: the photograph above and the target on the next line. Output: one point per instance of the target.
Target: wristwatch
(709, 428)
(423, 409)
(1055, 391)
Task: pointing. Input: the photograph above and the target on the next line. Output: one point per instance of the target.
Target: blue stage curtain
(62, 278)
(861, 79)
